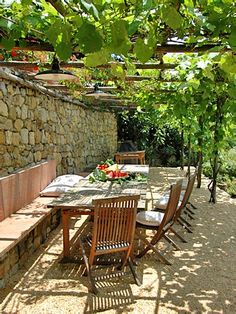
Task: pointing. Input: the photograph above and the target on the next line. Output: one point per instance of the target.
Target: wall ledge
(18, 78)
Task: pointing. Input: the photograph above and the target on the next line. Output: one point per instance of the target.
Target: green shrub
(230, 162)
(227, 174)
(162, 145)
(231, 188)
(206, 168)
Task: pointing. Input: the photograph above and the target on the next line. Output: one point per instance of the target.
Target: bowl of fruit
(116, 174)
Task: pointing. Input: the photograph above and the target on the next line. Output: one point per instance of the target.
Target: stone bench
(25, 220)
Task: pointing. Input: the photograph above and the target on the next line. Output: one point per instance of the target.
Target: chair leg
(152, 247)
(190, 211)
(88, 268)
(178, 235)
(133, 259)
(186, 211)
(194, 207)
(131, 266)
(124, 261)
(185, 221)
(172, 242)
(185, 226)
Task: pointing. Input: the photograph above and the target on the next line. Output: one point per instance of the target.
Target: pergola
(116, 36)
(135, 31)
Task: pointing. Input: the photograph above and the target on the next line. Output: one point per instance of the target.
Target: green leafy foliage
(200, 104)
(161, 143)
(120, 43)
(172, 17)
(8, 43)
(143, 52)
(89, 39)
(97, 175)
(113, 25)
(227, 172)
(59, 35)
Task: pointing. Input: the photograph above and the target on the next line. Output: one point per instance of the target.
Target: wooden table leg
(66, 235)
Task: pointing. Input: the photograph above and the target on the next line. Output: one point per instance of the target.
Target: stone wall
(35, 126)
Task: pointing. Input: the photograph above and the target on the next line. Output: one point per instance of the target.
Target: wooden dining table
(78, 201)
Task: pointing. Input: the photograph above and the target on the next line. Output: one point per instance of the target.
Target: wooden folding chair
(161, 206)
(113, 231)
(160, 222)
(183, 206)
(189, 211)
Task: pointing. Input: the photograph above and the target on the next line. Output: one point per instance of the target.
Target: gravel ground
(202, 278)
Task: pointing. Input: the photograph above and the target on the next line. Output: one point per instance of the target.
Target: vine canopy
(131, 28)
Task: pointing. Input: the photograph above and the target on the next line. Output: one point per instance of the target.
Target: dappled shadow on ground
(201, 278)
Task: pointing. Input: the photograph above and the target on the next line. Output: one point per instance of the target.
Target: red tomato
(36, 68)
(13, 53)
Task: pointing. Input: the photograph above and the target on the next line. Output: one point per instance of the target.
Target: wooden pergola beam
(138, 65)
(25, 65)
(62, 87)
(130, 78)
(32, 46)
(167, 48)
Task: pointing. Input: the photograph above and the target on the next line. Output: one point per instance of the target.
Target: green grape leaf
(120, 42)
(171, 17)
(232, 37)
(90, 8)
(142, 51)
(194, 83)
(49, 8)
(54, 33)
(147, 4)
(4, 23)
(97, 58)
(89, 39)
(76, 20)
(232, 92)
(228, 63)
(63, 51)
(133, 27)
(118, 71)
(26, 2)
(208, 73)
(8, 44)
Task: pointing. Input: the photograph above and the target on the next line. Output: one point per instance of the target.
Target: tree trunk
(212, 185)
(199, 170)
(189, 155)
(199, 153)
(217, 137)
(182, 148)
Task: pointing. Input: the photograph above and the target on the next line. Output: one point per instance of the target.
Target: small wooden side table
(139, 156)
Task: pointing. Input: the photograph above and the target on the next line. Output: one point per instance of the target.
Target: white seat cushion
(68, 179)
(184, 184)
(149, 218)
(163, 201)
(61, 185)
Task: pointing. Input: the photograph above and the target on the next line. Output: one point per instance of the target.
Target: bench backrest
(20, 189)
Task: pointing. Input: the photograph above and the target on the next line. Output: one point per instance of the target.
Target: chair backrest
(188, 190)
(114, 223)
(187, 194)
(172, 205)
